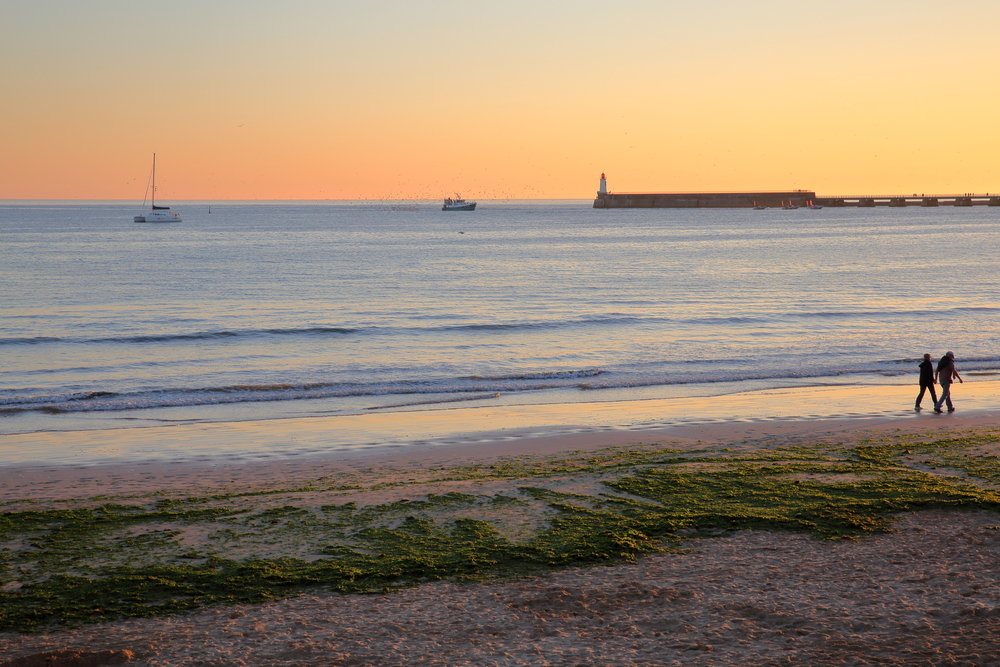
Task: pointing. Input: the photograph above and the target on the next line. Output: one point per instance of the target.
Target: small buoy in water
(461, 232)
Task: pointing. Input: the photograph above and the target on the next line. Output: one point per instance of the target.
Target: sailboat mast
(154, 181)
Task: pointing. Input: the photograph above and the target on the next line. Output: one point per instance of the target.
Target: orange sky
(393, 100)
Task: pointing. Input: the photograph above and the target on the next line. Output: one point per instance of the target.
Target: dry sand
(926, 594)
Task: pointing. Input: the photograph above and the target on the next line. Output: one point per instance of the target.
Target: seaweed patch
(157, 556)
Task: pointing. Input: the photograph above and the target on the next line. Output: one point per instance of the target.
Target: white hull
(158, 216)
(458, 204)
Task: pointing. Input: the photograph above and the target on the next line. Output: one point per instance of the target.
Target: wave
(895, 313)
(548, 324)
(32, 340)
(599, 321)
(551, 375)
(98, 400)
(746, 319)
(444, 389)
(765, 318)
(166, 338)
(966, 362)
(309, 331)
(107, 401)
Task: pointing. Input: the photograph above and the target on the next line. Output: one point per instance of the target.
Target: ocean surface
(257, 310)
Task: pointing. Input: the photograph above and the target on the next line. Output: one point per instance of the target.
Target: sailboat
(158, 213)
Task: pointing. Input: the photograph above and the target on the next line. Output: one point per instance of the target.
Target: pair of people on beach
(945, 374)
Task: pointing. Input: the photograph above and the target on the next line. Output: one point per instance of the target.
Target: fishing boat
(789, 206)
(814, 206)
(759, 207)
(458, 204)
(156, 213)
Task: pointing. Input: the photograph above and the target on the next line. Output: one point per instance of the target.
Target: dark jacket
(926, 372)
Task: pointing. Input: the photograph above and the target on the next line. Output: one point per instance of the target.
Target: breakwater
(777, 199)
(702, 199)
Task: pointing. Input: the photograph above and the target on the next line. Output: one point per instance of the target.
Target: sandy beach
(924, 593)
(520, 334)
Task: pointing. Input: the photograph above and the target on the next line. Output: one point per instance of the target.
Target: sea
(252, 310)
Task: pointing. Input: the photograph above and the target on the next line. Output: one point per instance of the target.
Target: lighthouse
(604, 186)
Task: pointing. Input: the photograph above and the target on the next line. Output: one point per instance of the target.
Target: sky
(519, 99)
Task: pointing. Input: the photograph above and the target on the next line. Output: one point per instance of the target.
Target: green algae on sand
(91, 561)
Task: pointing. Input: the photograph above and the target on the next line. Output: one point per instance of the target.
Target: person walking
(946, 373)
(926, 381)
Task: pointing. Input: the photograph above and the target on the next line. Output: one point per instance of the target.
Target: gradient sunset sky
(518, 99)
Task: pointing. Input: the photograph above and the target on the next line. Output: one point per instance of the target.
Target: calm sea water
(279, 309)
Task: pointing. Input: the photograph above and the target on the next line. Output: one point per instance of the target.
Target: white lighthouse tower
(604, 185)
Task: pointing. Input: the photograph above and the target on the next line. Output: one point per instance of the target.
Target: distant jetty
(703, 199)
(779, 199)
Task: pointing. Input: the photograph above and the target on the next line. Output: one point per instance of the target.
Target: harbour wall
(702, 199)
(777, 199)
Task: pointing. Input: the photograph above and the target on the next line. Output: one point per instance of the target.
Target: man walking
(926, 381)
(946, 373)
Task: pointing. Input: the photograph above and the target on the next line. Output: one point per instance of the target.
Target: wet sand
(492, 428)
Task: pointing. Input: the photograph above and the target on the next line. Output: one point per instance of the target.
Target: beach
(923, 593)
(323, 419)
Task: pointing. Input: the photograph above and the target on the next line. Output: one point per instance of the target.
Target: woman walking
(926, 381)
